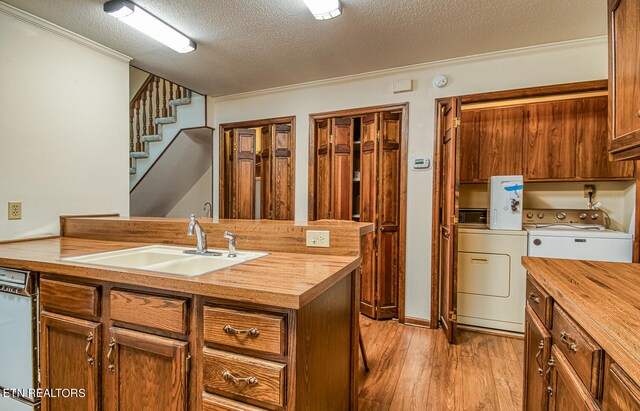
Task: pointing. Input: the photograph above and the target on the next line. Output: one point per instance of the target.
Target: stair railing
(152, 101)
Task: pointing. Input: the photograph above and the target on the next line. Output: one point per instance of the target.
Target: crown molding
(599, 40)
(43, 24)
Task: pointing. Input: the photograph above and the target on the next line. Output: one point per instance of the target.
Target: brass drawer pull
(534, 298)
(232, 378)
(112, 366)
(564, 337)
(540, 348)
(230, 330)
(551, 364)
(89, 341)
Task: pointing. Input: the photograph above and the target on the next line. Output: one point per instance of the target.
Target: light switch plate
(316, 238)
(15, 210)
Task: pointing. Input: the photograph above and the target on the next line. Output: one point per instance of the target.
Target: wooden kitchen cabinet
(620, 392)
(537, 342)
(624, 79)
(566, 391)
(70, 358)
(145, 371)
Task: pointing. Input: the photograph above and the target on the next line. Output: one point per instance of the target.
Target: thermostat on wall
(421, 163)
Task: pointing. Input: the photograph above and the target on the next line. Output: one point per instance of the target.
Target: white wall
(535, 66)
(193, 201)
(617, 198)
(64, 118)
(137, 78)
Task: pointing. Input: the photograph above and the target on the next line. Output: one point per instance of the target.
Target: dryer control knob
(561, 216)
(529, 215)
(540, 215)
(582, 216)
(594, 216)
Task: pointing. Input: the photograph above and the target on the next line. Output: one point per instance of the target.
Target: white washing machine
(491, 279)
(576, 235)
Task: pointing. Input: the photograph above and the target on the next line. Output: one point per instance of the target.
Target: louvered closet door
(368, 204)
(388, 234)
(323, 170)
(342, 167)
(282, 202)
(244, 167)
(266, 206)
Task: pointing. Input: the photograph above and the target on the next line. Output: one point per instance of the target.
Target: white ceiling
(246, 45)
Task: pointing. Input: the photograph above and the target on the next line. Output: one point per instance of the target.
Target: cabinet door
(145, 372)
(624, 78)
(282, 173)
(500, 144)
(323, 170)
(567, 393)
(592, 159)
(69, 350)
(550, 140)
(266, 205)
(537, 344)
(388, 226)
(244, 174)
(620, 392)
(469, 146)
(341, 168)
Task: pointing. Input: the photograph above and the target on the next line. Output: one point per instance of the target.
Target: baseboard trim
(418, 322)
(489, 331)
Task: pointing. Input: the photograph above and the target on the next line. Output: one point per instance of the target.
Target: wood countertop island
(278, 333)
(592, 316)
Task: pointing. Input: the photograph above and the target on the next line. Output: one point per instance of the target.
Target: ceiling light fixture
(140, 19)
(324, 9)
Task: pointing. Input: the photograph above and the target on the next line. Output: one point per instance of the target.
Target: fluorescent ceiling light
(324, 9)
(149, 24)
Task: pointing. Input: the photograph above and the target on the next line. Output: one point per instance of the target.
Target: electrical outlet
(15, 210)
(589, 188)
(317, 238)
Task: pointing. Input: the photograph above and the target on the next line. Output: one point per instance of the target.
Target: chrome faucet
(232, 243)
(201, 236)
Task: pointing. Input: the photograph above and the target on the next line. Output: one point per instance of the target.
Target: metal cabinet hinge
(453, 316)
(188, 364)
(456, 122)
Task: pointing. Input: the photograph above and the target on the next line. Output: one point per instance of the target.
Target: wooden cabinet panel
(550, 140)
(146, 372)
(592, 159)
(155, 311)
(221, 326)
(282, 173)
(368, 168)
(342, 168)
(244, 174)
(247, 377)
(500, 142)
(469, 146)
(540, 301)
(368, 276)
(567, 392)
(620, 392)
(69, 358)
(323, 171)
(212, 402)
(537, 342)
(624, 78)
(266, 204)
(69, 298)
(584, 354)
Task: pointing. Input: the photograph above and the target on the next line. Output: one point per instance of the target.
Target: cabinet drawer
(582, 352)
(161, 312)
(212, 402)
(248, 377)
(539, 301)
(69, 298)
(245, 329)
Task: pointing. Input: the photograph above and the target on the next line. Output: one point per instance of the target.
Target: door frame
(223, 128)
(403, 108)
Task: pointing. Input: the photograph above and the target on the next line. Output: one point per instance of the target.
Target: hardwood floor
(413, 368)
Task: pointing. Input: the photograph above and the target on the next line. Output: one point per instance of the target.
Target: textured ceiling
(246, 45)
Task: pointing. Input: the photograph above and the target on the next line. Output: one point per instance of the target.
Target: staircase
(158, 112)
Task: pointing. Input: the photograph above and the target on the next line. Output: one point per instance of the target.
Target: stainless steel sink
(166, 259)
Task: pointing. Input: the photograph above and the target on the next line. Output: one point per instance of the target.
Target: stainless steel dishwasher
(18, 340)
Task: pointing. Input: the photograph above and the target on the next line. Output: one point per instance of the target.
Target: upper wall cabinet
(624, 79)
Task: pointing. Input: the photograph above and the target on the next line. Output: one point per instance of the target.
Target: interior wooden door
(282, 201)
(388, 219)
(341, 168)
(368, 211)
(146, 372)
(323, 170)
(70, 350)
(448, 135)
(243, 200)
(266, 204)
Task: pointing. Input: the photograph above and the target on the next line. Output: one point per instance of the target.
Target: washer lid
(579, 233)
